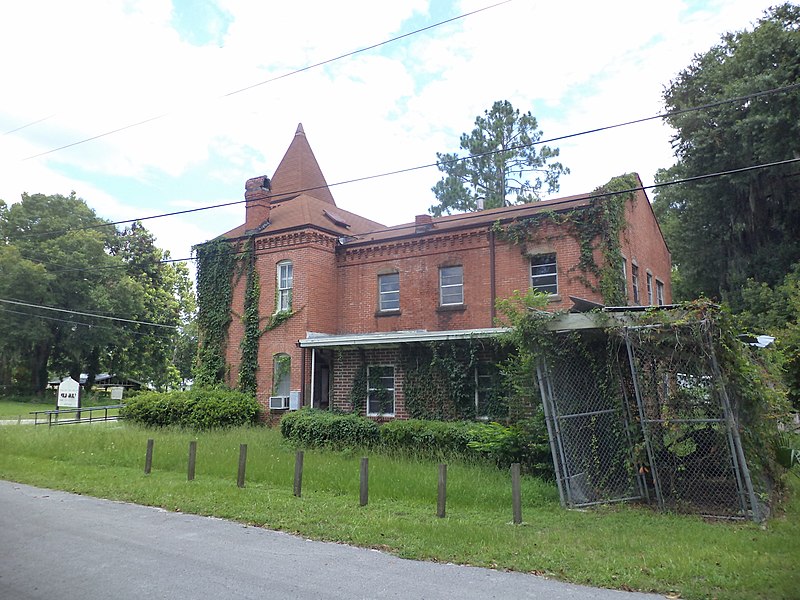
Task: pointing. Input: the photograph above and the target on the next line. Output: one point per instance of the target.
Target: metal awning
(384, 338)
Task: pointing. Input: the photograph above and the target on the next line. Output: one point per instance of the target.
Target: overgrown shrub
(429, 438)
(198, 409)
(311, 428)
(525, 442)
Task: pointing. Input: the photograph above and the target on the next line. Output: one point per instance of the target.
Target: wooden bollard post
(242, 464)
(516, 495)
(441, 500)
(192, 459)
(363, 496)
(148, 457)
(298, 473)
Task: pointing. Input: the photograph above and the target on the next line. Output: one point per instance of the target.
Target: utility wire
(80, 323)
(86, 314)
(436, 164)
(255, 85)
(516, 207)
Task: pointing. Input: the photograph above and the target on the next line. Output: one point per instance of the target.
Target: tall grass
(619, 546)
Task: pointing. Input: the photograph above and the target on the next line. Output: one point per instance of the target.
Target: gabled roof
(299, 171)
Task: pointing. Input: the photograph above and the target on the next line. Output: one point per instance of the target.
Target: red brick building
(355, 294)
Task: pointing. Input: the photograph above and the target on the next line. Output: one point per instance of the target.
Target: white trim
(321, 340)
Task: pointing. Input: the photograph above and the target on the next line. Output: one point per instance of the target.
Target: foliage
(250, 340)
(525, 442)
(776, 311)
(310, 428)
(597, 227)
(724, 230)
(215, 262)
(500, 157)
(196, 409)
(90, 267)
(439, 380)
(436, 439)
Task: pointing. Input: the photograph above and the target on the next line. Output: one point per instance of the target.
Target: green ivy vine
(215, 264)
(596, 226)
(250, 318)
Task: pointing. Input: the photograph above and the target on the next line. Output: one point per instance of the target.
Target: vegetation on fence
(198, 409)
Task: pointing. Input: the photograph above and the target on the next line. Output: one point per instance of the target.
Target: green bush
(311, 428)
(429, 438)
(525, 442)
(198, 409)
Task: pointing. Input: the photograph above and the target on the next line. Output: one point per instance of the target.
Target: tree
(501, 157)
(725, 230)
(83, 265)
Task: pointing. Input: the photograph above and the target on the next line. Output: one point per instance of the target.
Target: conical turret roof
(299, 171)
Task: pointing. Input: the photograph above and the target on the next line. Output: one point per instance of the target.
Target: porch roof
(382, 338)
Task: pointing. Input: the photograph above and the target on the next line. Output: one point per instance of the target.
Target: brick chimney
(423, 223)
(256, 193)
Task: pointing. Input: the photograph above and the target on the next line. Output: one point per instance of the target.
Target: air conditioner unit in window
(278, 402)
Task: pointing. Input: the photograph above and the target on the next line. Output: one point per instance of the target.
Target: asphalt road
(55, 545)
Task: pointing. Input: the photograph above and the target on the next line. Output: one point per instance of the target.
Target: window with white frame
(635, 283)
(544, 273)
(650, 289)
(660, 292)
(485, 378)
(389, 292)
(380, 390)
(625, 278)
(281, 375)
(451, 285)
(285, 281)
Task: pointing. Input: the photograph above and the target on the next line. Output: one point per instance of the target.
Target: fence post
(192, 459)
(298, 473)
(242, 464)
(516, 496)
(148, 457)
(441, 501)
(363, 496)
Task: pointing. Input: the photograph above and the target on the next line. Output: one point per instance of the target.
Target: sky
(76, 70)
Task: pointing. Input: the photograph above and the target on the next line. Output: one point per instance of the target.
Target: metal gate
(694, 454)
(642, 413)
(588, 422)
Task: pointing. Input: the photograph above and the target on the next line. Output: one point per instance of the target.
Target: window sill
(451, 307)
(554, 298)
(388, 313)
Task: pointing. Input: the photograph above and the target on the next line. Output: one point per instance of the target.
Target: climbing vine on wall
(250, 318)
(596, 227)
(215, 263)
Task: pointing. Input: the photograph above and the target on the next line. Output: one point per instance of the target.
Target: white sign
(69, 393)
(116, 393)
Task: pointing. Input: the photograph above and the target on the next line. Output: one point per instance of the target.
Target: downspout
(492, 287)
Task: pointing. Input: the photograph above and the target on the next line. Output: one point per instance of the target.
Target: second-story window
(451, 285)
(285, 280)
(650, 289)
(544, 273)
(389, 292)
(660, 292)
(635, 283)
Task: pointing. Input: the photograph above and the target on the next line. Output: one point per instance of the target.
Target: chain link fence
(642, 413)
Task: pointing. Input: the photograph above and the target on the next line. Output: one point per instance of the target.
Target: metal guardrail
(77, 415)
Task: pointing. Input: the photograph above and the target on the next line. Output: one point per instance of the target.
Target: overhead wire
(86, 314)
(663, 115)
(255, 85)
(80, 323)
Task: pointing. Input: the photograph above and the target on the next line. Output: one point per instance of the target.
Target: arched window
(283, 298)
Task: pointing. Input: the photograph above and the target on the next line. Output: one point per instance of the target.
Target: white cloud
(98, 65)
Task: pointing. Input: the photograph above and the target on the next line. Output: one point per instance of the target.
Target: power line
(255, 85)
(80, 323)
(436, 164)
(86, 314)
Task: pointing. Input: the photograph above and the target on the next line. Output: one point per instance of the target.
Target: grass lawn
(620, 546)
(12, 410)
